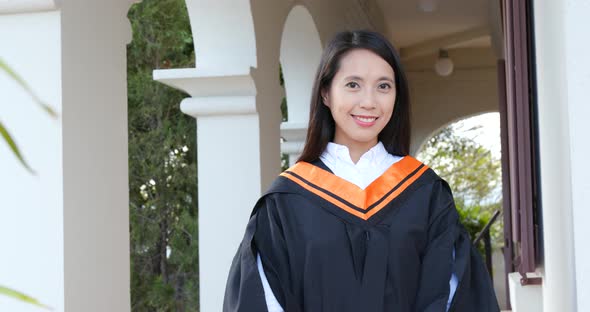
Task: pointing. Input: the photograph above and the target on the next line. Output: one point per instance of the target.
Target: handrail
(486, 228)
(487, 239)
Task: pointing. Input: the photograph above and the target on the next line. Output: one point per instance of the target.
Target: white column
(293, 134)
(31, 207)
(577, 66)
(65, 231)
(229, 173)
(562, 83)
(234, 97)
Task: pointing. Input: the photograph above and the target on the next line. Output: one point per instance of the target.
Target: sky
(489, 133)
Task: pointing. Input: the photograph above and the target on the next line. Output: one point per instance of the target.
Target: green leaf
(6, 136)
(24, 85)
(22, 297)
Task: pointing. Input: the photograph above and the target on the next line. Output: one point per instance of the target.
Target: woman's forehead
(365, 64)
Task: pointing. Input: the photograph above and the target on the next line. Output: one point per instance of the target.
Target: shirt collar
(340, 153)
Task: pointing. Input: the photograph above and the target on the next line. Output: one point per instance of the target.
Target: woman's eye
(385, 86)
(352, 84)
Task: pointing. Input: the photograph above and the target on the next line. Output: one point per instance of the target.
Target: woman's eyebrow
(386, 78)
(353, 77)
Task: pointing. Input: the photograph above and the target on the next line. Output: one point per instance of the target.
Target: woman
(357, 224)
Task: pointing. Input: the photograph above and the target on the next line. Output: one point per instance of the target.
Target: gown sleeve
(264, 238)
(474, 290)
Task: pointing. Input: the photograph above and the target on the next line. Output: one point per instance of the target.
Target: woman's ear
(325, 98)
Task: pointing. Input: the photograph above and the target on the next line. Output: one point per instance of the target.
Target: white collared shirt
(369, 167)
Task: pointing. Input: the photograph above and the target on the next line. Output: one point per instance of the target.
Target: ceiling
(409, 25)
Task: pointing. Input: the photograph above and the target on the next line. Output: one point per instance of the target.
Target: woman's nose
(368, 101)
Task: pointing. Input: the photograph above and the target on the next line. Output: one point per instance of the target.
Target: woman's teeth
(365, 119)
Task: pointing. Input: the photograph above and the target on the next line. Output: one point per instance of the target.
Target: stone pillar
(577, 63)
(228, 153)
(562, 86)
(293, 135)
(65, 230)
(234, 97)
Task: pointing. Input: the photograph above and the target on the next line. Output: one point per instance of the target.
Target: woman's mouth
(364, 121)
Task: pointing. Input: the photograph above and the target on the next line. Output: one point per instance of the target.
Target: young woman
(357, 224)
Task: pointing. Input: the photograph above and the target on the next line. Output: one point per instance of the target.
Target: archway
(467, 154)
(301, 50)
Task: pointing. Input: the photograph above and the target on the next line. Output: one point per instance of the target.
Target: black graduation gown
(327, 245)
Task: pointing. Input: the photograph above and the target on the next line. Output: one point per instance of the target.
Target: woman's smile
(365, 121)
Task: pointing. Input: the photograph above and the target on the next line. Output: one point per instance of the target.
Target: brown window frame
(518, 114)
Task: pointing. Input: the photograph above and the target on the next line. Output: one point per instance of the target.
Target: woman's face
(361, 98)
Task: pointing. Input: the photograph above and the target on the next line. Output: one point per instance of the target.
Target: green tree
(162, 168)
(473, 173)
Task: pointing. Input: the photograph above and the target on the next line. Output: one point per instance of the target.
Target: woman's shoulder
(409, 168)
(427, 183)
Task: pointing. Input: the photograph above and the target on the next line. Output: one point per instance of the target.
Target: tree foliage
(162, 168)
(473, 173)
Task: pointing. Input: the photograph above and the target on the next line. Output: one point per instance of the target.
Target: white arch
(436, 101)
(438, 129)
(301, 49)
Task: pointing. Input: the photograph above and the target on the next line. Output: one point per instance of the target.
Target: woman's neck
(356, 149)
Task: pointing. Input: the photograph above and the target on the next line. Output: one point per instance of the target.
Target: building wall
(66, 229)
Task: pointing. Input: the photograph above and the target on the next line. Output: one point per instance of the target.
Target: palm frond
(8, 138)
(27, 88)
(21, 297)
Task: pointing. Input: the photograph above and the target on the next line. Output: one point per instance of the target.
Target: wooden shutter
(519, 145)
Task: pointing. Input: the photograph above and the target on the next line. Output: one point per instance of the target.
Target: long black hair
(395, 136)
